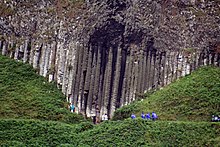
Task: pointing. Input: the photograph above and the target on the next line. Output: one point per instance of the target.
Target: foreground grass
(183, 107)
(111, 133)
(24, 94)
(192, 98)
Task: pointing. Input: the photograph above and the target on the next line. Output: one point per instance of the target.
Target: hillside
(24, 94)
(112, 133)
(27, 99)
(192, 98)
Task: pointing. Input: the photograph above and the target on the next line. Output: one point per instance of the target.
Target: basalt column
(102, 71)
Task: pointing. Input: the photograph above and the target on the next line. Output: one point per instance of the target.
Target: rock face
(103, 54)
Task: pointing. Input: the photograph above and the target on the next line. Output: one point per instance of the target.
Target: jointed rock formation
(102, 54)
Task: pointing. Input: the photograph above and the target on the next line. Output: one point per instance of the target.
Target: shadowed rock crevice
(106, 45)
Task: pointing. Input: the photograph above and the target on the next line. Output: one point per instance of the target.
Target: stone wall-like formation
(103, 54)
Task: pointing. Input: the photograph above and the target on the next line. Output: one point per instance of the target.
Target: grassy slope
(24, 94)
(112, 133)
(192, 98)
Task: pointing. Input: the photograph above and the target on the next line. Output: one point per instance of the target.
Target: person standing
(133, 116)
(148, 116)
(142, 115)
(72, 107)
(104, 117)
(154, 116)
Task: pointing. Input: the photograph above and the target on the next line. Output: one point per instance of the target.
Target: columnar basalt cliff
(102, 54)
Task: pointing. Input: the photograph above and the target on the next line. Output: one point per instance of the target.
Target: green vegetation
(24, 94)
(184, 110)
(192, 98)
(111, 133)
(39, 133)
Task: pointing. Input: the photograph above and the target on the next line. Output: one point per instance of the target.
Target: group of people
(215, 118)
(96, 119)
(147, 116)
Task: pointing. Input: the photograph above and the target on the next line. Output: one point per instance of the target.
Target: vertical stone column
(172, 66)
(11, 45)
(116, 81)
(52, 61)
(131, 78)
(80, 49)
(153, 63)
(176, 65)
(218, 60)
(37, 55)
(167, 68)
(180, 64)
(184, 65)
(47, 59)
(16, 52)
(135, 76)
(128, 76)
(91, 101)
(32, 52)
(144, 66)
(122, 75)
(206, 58)
(71, 68)
(131, 84)
(1, 42)
(197, 60)
(96, 83)
(4, 48)
(140, 78)
(65, 71)
(125, 81)
(58, 61)
(84, 73)
(147, 69)
(212, 58)
(42, 59)
(108, 81)
(102, 80)
(201, 58)
(188, 63)
(157, 70)
(21, 52)
(163, 64)
(152, 71)
(88, 80)
(26, 51)
(105, 80)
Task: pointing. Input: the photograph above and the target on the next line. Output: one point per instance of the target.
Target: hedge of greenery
(192, 98)
(111, 133)
(24, 94)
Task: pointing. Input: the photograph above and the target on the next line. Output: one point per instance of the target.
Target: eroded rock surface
(103, 53)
